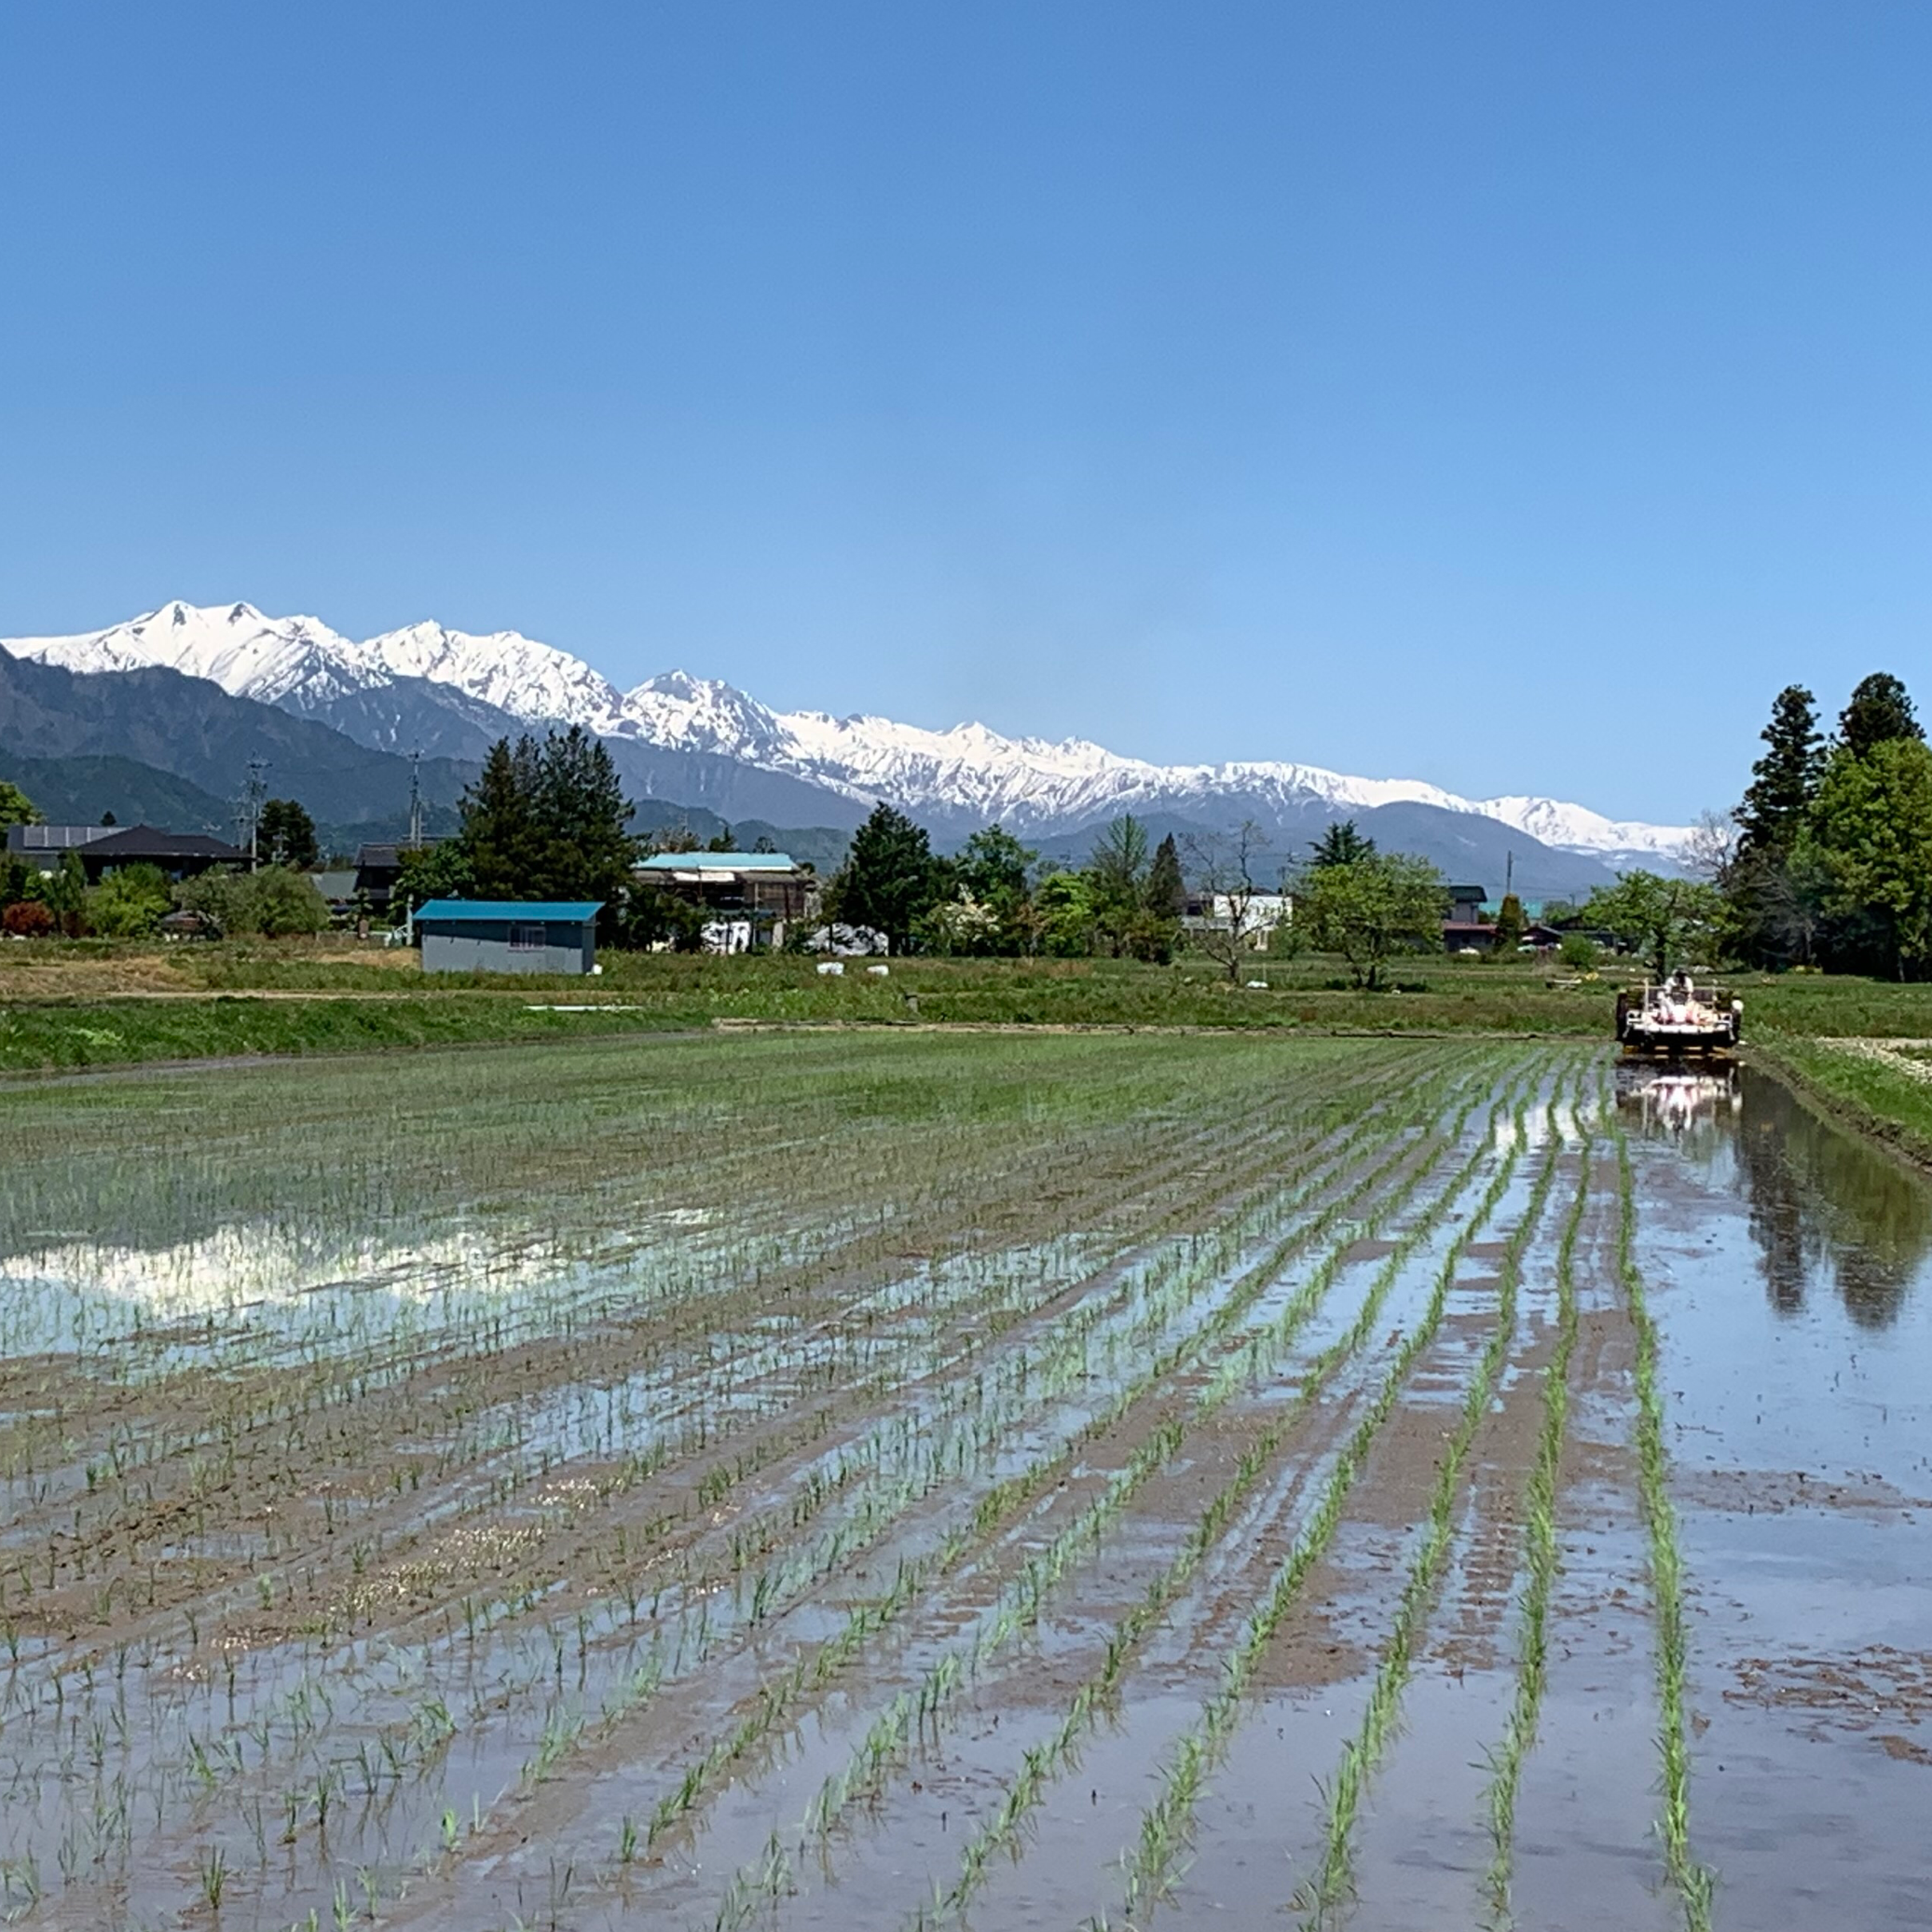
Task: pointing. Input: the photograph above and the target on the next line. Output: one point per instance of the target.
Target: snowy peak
(966, 774)
(702, 714)
(514, 673)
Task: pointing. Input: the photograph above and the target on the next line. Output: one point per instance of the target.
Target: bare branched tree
(1226, 874)
(1712, 847)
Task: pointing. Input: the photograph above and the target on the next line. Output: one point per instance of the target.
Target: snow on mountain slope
(232, 645)
(966, 773)
(506, 669)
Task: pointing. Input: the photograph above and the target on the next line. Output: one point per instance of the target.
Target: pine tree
(889, 879)
(1878, 711)
(1510, 923)
(582, 820)
(285, 836)
(1786, 779)
(499, 832)
(1166, 892)
(1341, 845)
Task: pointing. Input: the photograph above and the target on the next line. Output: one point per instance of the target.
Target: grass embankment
(1869, 1085)
(92, 1003)
(100, 1001)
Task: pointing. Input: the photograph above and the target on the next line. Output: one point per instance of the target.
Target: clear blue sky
(1509, 395)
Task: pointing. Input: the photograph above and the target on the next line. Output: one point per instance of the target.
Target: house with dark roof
(105, 848)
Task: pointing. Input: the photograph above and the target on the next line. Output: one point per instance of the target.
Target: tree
(129, 903)
(274, 901)
(1510, 923)
(547, 821)
(64, 892)
(1225, 882)
(1370, 908)
(285, 836)
(1066, 914)
(1872, 822)
(1666, 920)
(1166, 893)
(582, 820)
(27, 919)
(992, 866)
(1786, 779)
(16, 807)
(889, 878)
(438, 872)
(1879, 712)
(993, 869)
(498, 835)
(1341, 844)
(1117, 877)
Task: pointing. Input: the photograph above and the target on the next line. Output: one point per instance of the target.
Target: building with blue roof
(509, 936)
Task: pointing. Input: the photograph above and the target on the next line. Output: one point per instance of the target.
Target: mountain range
(702, 743)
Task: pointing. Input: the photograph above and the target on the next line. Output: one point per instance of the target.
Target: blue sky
(1513, 396)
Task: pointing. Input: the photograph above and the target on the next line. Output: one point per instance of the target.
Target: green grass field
(96, 1003)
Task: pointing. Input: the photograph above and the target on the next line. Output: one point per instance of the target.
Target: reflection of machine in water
(1674, 1018)
(1672, 1103)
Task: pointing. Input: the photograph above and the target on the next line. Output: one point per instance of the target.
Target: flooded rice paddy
(932, 1480)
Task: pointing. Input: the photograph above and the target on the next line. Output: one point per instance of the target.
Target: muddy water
(1385, 1316)
(1792, 1278)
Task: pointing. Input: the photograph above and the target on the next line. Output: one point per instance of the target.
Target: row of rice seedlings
(1167, 1825)
(1693, 1881)
(363, 1381)
(1542, 1561)
(777, 1699)
(1333, 1881)
(881, 1748)
(1038, 1766)
(545, 1758)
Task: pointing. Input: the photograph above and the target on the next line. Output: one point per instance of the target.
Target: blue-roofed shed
(509, 936)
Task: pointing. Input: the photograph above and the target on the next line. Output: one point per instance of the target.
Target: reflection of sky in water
(298, 1283)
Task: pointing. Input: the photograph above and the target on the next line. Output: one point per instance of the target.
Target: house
(509, 936)
(1465, 904)
(1215, 912)
(105, 848)
(750, 895)
(378, 867)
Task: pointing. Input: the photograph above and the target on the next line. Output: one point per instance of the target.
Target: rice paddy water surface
(893, 1482)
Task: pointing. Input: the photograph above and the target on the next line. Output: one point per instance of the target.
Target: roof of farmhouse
(480, 912)
(718, 862)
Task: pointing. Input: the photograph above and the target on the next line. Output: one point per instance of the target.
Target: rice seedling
(1541, 1560)
(1333, 1880)
(1693, 1881)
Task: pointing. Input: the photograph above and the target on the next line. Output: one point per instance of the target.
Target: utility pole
(416, 800)
(1509, 873)
(257, 791)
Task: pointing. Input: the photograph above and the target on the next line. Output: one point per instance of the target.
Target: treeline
(990, 900)
(1831, 865)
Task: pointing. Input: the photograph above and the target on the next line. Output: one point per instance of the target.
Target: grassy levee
(95, 1003)
(130, 1032)
(1867, 1091)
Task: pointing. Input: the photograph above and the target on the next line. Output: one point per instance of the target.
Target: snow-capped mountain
(453, 691)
